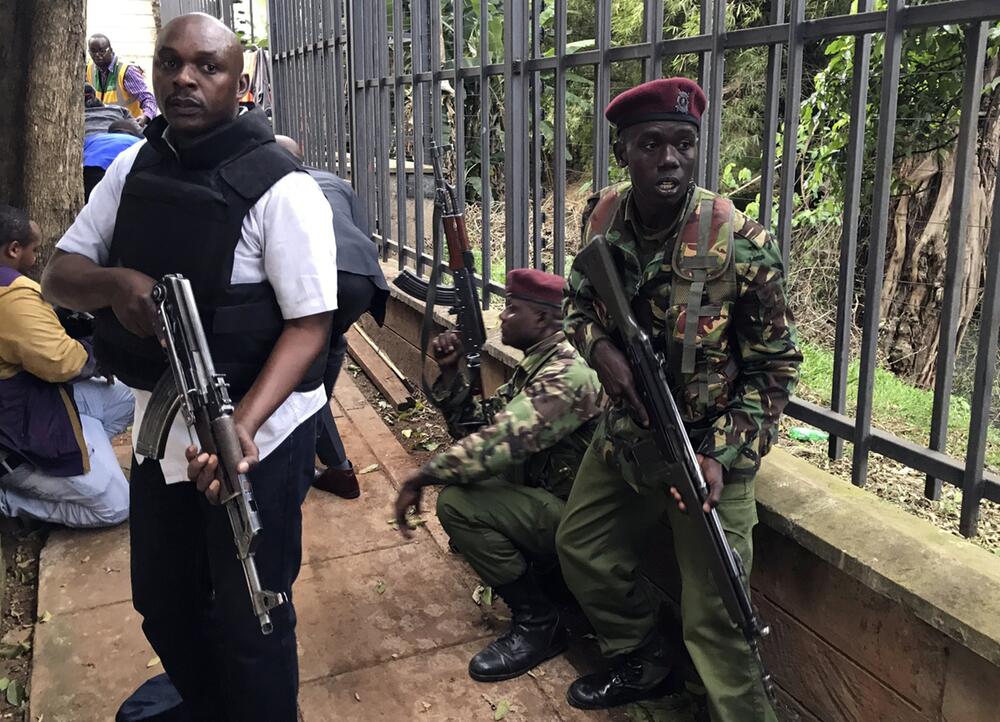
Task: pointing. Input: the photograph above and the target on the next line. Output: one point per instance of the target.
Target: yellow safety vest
(115, 92)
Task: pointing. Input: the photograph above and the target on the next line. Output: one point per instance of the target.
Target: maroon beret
(665, 99)
(536, 286)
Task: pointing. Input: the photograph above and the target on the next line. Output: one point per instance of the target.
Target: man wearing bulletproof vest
(211, 196)
(707, 284)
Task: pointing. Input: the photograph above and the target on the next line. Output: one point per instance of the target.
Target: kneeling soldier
(506, 484)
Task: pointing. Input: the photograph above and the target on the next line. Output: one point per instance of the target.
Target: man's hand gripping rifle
(649, 370)
(464, 296)
(192, 385)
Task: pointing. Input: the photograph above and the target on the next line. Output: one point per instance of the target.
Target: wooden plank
(378, 371)
(828, 684)
(879, 635)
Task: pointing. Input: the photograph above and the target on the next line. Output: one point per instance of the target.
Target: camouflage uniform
(711, 294)
(506, 484)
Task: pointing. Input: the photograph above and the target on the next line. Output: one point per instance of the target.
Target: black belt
(10, 462)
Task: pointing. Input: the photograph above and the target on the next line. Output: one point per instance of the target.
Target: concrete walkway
(386, 626)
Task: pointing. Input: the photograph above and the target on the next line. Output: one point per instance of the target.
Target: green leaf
(380, 587)
(4, 683)
(46, 617)
(15, 693)
(503, 707)
(430, 445)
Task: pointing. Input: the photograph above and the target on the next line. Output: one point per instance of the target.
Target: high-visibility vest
(114, 93)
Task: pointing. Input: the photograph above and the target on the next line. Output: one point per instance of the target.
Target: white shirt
(287, 239)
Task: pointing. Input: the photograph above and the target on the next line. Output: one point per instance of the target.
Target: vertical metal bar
(793, 99)
(329, 92)
(515, 131)
(653, 19)
(976, 37)
(371, 110)
(717, 73)
(849, 234)
(877, 241)
(417, 25)
(602, 95)
(536, 137)
(274, 49)
(559, 129)
(705, 80)
(485, 155)
(459, 48)
(343, 132)
(382, 123)
(437, 134)
(986, 369)
(773, 97)
(399, 113)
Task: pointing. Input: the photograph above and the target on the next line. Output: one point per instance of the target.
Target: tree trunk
(15, 19)
(42, 123)
(912, 296)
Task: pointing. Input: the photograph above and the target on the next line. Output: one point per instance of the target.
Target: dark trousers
(92, 175)
(190, 590)
(354, 297)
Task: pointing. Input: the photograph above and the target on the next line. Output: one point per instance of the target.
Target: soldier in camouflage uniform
(707, 283)
(506, 483)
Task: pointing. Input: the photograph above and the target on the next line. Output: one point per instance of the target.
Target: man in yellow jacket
(56, 422)
(118, 82)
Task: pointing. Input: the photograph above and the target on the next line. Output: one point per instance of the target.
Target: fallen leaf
(487, 596)
(426, 706)
(503, 707)
(430, 445)
(85, 559)
(46, 616)
(4, 683)
(15, 693)
(380, 587)
(369, 469)
(407, 433)
(357, 697)
(153, 662)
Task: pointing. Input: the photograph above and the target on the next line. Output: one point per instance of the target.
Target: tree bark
(42, 123)
(917, 247)
(15, 19)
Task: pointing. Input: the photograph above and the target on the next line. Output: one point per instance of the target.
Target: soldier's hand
(410, 494)
(616, 378)
(447, 350)
(132, 302)
(203, 468)
(713, 472)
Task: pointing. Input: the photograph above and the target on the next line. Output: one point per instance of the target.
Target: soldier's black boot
(641, 674)
(536, 633)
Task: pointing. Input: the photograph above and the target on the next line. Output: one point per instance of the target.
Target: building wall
(129, 25)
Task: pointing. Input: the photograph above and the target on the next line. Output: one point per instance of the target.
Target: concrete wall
(130, 27)
(876, 615)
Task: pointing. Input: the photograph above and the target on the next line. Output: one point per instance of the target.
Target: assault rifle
(192, 385)
(649, 369)
(463, 297)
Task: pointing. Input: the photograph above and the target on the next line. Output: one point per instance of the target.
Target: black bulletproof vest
(184, 214)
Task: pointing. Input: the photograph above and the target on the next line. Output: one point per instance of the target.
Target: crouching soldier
(506, 484)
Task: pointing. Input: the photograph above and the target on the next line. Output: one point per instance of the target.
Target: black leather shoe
(536, 634)
(643, 674)
(341, 482)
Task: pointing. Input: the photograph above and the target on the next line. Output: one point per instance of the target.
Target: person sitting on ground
(98, 117)
(361, 288)
(100, 150)
(505, 485)
(118, 82)
(56, 422)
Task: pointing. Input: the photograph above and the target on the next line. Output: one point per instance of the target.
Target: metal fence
(363, 84)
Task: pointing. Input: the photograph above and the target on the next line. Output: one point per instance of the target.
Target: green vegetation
(897, 406)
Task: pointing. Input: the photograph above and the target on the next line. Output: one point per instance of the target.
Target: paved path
(365, 655)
